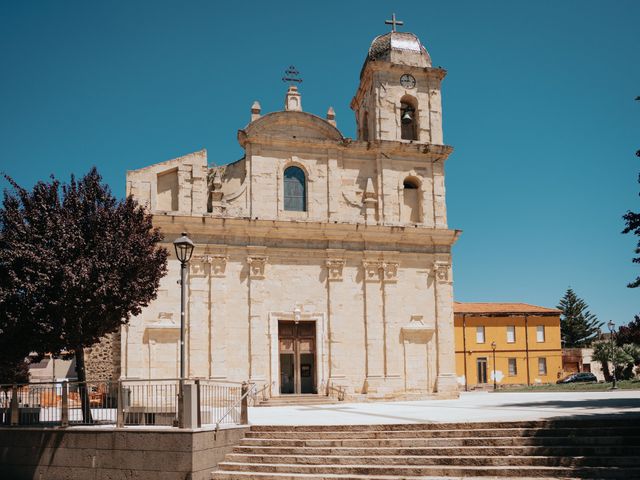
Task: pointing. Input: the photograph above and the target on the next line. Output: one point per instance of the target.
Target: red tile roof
(502, 308)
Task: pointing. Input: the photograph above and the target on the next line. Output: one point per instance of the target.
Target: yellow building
(523, 339)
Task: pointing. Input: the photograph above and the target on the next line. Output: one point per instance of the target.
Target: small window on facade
(511, 334)
(542, 366)
(295, 190)
(513, 367)
(540, 333)
(479, 334)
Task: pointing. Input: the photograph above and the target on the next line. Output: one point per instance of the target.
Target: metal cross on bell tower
(393, 22)
(291, 76)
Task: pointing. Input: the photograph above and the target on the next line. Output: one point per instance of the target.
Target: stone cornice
(206, 229)
(417, 151)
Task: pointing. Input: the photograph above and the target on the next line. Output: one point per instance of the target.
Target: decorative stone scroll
(441, 271)
(257, 265)
(390, 271)
(334, 268)
(372, 269)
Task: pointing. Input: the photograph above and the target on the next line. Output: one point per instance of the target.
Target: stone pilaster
(217, 264)
(374, 324)
(258, 321)
(335, 266)
(446, 382)
(198, 320)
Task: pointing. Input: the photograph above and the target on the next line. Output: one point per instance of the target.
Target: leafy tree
(578, 326)
(14, 373)
(75, 264)
(632, 225)
(629, 333)
(624, 358)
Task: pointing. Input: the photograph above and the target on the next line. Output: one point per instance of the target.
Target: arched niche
(411, 200)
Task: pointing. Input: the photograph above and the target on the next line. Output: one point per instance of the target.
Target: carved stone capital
(390, 271)
(218, 263)
(442, 271)
(334, 268)
(257, 265)
(372, 270)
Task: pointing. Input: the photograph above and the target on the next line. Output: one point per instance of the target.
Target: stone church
(319, 259)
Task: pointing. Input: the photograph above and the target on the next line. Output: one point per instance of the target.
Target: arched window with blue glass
(295, 190)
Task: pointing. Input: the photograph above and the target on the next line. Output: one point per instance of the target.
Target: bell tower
(398, 98)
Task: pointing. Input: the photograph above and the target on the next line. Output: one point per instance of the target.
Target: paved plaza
(470, 407)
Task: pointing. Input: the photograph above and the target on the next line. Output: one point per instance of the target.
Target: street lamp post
(495, 382)
(612, 328)
(184, 250)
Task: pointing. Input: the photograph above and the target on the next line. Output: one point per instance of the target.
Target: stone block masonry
(100, 453)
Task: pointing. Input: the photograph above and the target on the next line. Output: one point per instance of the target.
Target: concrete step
(607, 422)
(400, 471)
(409, 460)
(564, 451)
(288, 400)
(457, 433)
(450, 442)
(230, 475)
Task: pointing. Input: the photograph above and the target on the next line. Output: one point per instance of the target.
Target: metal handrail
(339, 390)
(253, 386)
(255, 394)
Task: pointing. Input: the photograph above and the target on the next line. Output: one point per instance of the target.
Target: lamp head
(184, 248)
(611, 325)
(493, 345)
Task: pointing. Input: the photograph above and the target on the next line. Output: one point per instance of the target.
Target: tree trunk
(605, 372)
(82, 386)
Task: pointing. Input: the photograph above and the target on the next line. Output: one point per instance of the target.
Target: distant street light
(495, 384)
(184, 250)
(612, 328)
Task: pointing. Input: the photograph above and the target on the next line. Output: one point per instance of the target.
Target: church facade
(319, 260)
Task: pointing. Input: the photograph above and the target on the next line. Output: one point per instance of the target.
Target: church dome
(402, 48)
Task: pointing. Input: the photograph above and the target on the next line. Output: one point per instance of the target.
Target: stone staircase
(292, 400)
(541, 449)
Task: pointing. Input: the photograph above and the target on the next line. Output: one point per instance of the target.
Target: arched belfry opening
(295, 189)
(409, 118)
(411, 204)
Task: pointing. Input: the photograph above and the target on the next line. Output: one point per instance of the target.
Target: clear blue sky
(538, 103)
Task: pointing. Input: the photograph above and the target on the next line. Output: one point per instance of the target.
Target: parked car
(578, 377)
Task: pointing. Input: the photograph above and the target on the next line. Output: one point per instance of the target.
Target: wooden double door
(297, 349)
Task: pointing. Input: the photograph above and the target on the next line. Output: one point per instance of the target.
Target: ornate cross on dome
(393, 22)
(291, 76)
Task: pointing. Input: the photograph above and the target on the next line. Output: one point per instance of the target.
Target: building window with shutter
(511, 334)
(542, 366)
(479, 334)
(295, 190)
(540, 333)
(513, 367)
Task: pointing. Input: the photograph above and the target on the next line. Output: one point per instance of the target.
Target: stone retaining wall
(109, 453)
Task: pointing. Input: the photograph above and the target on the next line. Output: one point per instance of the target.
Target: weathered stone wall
(80, 454)
(102, 360)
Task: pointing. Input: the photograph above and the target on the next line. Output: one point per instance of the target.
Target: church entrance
(297, 344)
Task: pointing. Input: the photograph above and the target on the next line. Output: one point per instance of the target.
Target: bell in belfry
(406, 117)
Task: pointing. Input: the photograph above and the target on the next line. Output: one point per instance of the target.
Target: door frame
(322, 347)
(297, 358)
(484, 361)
